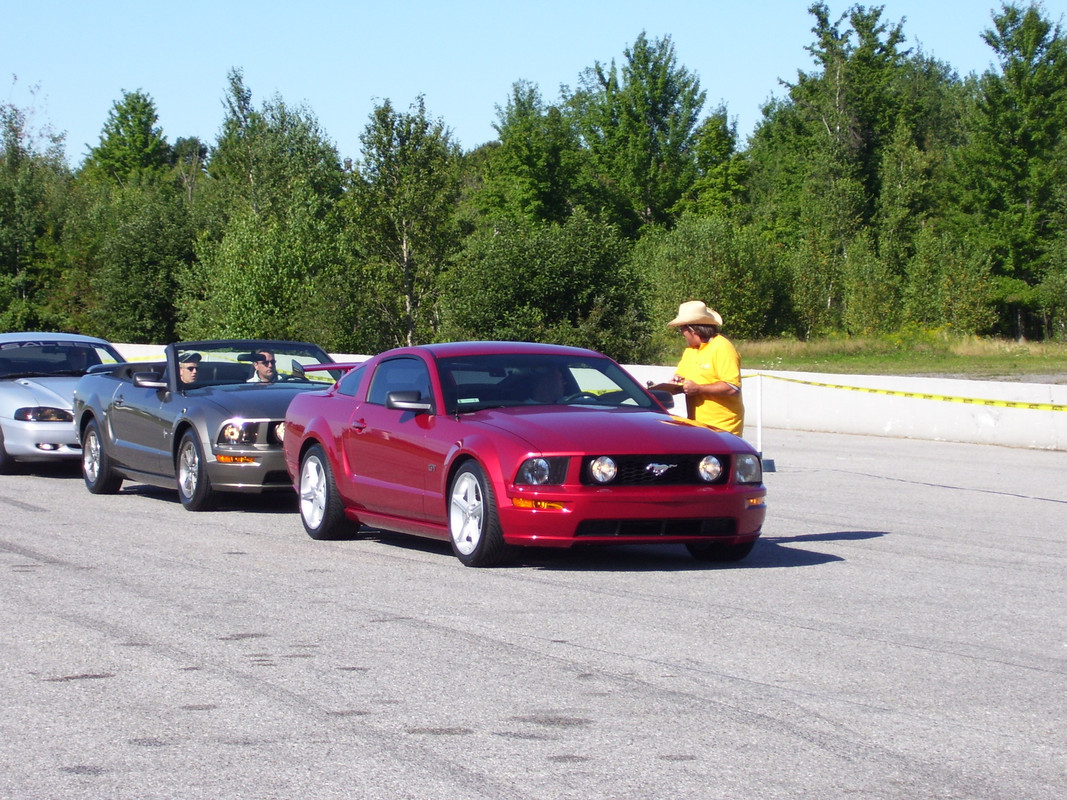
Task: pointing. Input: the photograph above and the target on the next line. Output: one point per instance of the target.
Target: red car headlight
(541, 471)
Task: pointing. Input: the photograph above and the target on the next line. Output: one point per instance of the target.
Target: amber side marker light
(756, 502)
(537, 505)
(236, 459)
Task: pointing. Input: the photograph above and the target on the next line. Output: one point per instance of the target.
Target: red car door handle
(359, 425)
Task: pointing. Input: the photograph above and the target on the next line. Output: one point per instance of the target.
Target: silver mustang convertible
(208, 418)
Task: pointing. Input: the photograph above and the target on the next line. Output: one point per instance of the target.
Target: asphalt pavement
(898, 632)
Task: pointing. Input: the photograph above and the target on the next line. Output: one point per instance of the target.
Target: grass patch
(922, 355)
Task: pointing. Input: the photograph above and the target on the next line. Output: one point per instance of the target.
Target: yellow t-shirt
(716, 360)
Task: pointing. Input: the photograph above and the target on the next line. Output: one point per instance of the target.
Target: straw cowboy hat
(696, 312)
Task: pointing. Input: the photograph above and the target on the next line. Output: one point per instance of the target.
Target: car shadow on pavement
(770, 552)
(56, 470)
(266, 503)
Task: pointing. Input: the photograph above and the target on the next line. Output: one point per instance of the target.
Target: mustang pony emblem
(658, 469)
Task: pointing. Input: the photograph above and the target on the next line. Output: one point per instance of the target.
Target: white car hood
(57, 392)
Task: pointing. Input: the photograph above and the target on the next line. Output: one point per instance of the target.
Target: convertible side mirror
(149, 380)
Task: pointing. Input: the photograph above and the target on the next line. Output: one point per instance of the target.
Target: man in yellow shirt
(710, 369)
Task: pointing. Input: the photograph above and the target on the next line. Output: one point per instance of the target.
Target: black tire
(97, 472)
(321, 508)
(7, 463)
(720, 552)
(473, 523)
(190, 472)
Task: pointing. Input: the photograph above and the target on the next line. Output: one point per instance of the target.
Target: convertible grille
(681, 470)
(657, 528)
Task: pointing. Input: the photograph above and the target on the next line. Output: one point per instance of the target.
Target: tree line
(882, 193)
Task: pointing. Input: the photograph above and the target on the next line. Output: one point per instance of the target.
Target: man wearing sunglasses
(265, 367)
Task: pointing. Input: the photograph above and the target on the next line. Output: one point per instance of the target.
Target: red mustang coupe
(491, 444)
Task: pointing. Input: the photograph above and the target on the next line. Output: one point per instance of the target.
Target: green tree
(268, 223)
(131, 143)
(259, 280)
(564, 283)
(1008, 174)
(639, 125)
(948, 285)
(263, 153)
(401, 212)
(722, 170)
(534, 172)
(34, 181)
(732, 268)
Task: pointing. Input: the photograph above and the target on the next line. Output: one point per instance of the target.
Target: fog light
(603, 469)
(709, 468)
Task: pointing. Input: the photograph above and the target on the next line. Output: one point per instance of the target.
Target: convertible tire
(720, 552)
(99, 476)
(321, 508)
(473, 524)
(194, 487)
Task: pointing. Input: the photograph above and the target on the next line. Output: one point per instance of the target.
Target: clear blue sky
(73, 59)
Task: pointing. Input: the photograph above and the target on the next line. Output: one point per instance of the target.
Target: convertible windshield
(39, 359)
(262, 362)
(495, 381)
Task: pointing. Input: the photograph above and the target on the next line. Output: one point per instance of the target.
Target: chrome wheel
(188, 469)
(194, 487)
(321, 508)
(91, 456)
(473, 524)
(466, 517)
(313, 493)
(99, 477)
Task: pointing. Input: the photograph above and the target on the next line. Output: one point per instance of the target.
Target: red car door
(392, 455)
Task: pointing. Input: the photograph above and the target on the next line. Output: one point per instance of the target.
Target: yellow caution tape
(921, 395)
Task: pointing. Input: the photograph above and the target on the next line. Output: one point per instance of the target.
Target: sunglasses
(271, 361)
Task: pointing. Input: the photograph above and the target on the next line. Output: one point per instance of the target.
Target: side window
(350, 381)
(399, 374)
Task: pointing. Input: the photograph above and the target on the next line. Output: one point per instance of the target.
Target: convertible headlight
(603, 469)
(709, 468)
(541, 470)
(239, 432)
(747, 468)
(43, 414)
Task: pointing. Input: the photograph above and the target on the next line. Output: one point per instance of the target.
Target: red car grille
(657, 470)
(656, 528)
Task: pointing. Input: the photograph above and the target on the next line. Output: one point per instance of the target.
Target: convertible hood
(618, 430)
(254, 401)
(57, 392)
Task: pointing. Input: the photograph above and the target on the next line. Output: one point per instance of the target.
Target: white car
(37, 376)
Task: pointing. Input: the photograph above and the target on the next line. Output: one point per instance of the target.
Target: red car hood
(618, 430)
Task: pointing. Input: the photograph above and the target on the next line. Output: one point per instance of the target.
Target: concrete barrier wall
(942, 409)
(983, 412)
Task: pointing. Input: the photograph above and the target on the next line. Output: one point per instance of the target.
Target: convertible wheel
(194, 488)
(99, 477)
(720, 552)
(321, 509)
(473, 524)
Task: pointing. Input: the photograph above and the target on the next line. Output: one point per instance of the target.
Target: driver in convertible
(265, 366)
